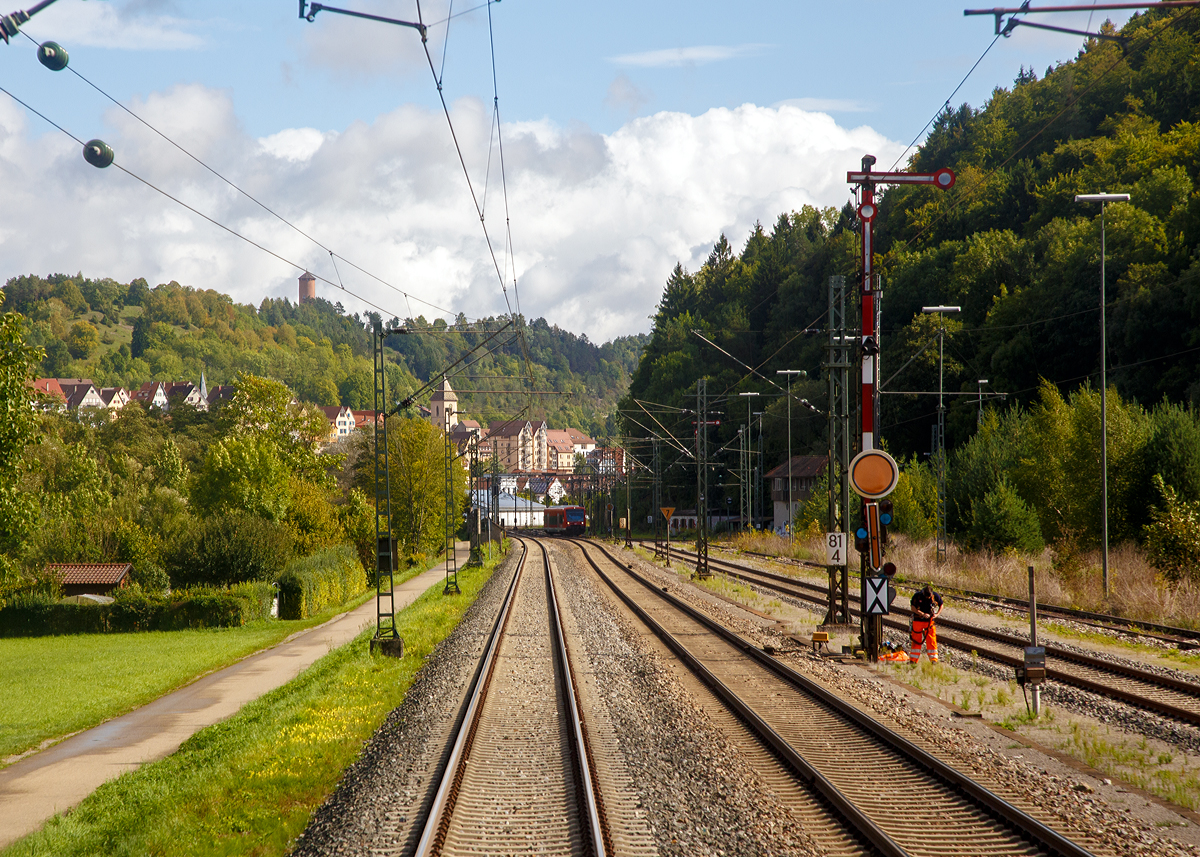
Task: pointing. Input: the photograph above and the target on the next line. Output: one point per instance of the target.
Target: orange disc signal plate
(873, 474)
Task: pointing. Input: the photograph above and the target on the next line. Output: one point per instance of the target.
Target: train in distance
(565, 520)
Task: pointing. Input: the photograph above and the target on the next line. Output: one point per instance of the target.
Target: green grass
(250, 784)
(1137, 763)
(54, 686)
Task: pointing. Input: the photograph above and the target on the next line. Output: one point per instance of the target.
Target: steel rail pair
(1026, 826)
(1181, 638)
(450, 782)
(1162, 694)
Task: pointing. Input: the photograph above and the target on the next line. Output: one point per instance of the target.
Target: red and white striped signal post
(867, 209)
(872, 561)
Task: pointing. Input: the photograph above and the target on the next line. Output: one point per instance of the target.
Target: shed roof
(89, 572)
(802, 465)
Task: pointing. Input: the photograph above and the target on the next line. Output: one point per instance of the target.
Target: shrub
(150, 576)
(325, 579)
(261, 595)
(915, 501)
(37, 614)
(1173, 535)
(226, 549)
(134, 609)
(1001, 519)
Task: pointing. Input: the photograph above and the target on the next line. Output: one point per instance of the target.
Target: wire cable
(946, 105)
(195, 211)
(246, 194)
(967, 194)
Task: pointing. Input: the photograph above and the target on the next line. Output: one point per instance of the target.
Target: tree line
(1009, 245)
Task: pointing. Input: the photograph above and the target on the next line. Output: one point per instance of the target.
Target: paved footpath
(34, 789)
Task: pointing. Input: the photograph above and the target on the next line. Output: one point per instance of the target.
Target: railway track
(853, 765)
(1184, 639)
(519, 777)
(1148, 690)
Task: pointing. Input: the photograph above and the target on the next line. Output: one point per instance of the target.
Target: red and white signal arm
(943, 179)
(873, 474)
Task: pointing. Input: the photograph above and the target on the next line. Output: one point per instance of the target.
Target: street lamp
(748, 504)
(791, 510)
(940, 444)
(1103, 199)
(758, 466)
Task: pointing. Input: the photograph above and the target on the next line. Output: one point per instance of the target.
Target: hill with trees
(1011, 247)
(126, 334)
(215, 497)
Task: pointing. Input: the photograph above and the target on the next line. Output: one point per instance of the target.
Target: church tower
(444, 400)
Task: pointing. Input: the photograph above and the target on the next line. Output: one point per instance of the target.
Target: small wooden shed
(91, 578)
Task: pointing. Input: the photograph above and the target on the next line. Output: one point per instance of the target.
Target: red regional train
(566, 520)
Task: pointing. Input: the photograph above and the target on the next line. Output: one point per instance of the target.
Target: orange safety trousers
(923, 632)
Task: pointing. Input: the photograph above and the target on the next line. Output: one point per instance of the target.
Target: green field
(250, 784)
(54, 686)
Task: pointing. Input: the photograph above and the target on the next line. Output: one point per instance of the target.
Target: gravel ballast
(677, 781)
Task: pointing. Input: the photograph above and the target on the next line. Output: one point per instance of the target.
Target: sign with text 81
(835, 548)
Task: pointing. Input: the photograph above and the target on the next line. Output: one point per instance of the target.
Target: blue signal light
(861, 532)
(885, 518)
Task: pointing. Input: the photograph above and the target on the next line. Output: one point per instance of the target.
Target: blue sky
(635, 133)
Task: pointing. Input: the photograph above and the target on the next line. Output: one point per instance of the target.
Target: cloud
(826, 105)
(136, 26)
(598, 221)
(623, 94)
(294, 144)
(698, 55)
(355, 49)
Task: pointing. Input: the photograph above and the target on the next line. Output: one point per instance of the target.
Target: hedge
(326, 579)
(40, 616)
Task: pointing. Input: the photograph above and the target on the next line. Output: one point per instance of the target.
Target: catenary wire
(195, 211)
(946, 104)
(248, 195)
(967, 194)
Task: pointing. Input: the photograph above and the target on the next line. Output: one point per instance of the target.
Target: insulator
(53, 56)
(97, 153)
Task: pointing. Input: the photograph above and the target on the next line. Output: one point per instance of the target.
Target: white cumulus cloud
(695, 55)
(598, 221)
(125, 26)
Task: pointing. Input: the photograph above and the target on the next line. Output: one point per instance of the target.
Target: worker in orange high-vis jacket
(926, 605)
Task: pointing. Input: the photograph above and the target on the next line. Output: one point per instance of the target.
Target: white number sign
(835, 548)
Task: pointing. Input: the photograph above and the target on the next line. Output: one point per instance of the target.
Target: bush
(40, 615)
(1001, 519)
(134, 609)
(226, 549)
(1173, 535)
(325, 579)
(150, 576)
(261, 595)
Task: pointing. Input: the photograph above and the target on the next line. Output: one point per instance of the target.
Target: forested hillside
(126, 334)
(1011, 247)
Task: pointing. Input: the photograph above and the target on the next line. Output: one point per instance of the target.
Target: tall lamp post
(747, 485)
(758, 466)
(940, 444)
(791, 510)
(1103, 199)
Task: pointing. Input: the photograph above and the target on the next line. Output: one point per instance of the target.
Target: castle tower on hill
(443, 403)
(308, 287)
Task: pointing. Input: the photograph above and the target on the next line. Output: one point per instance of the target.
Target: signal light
(886, 517)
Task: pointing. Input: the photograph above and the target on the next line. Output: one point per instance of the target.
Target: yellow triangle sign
(667, 511)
